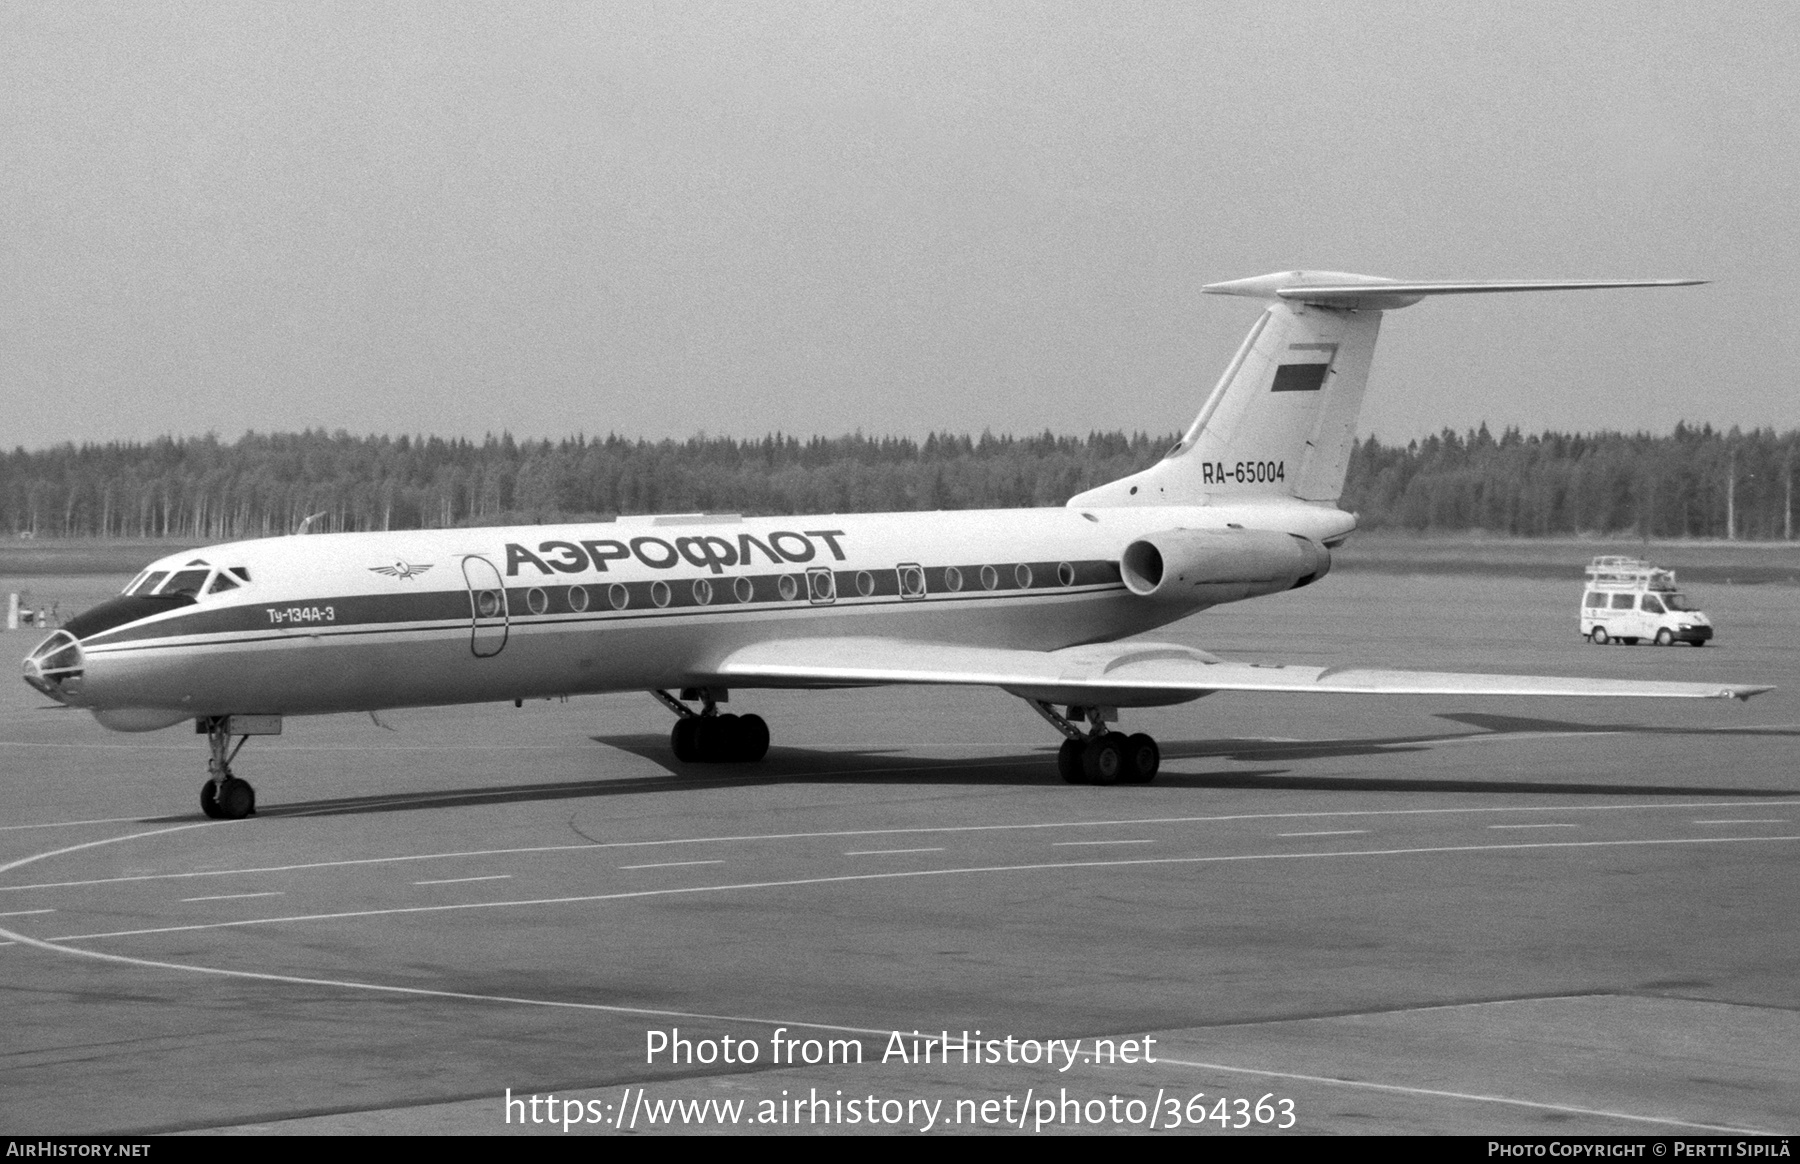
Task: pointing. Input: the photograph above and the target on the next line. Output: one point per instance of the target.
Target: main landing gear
(1100, 756)
(224, 796)
(706, 737)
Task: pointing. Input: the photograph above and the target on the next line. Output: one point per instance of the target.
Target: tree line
(1695, 482)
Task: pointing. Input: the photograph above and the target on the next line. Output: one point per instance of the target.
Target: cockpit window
(184, 582)
(222, 582)
(133, 584)
(242, 572)
(148, 582)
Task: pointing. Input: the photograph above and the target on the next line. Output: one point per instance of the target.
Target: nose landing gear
(706, 737)
(1100, 756)
(224, 796)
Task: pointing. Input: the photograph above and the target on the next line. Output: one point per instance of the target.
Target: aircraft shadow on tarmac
(1036, 768)
(1491, 725)
(1508, 724)
(782, 766)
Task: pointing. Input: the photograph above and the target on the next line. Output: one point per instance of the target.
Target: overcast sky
(665, 219)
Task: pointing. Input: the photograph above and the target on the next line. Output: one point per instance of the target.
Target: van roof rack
(1617, 570)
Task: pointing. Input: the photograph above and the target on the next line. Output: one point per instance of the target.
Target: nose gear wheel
(224, 796)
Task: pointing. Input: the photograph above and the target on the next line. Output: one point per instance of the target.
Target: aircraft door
(487, 606)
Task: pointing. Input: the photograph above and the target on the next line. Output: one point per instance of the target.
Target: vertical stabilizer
(1282, 420)
(1279, 423)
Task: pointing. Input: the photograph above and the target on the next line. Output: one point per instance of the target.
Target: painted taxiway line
(1535, 826)
(889, 852)
(147, 818)
(26, 912)
(671, 864)
(1436, 1093)
(1071, 844)
(11, 938)
(626, 895)
(45, 856)
(1327, 833)
(827, 835)
(466, 880)
(1758, 820)
(232, 896)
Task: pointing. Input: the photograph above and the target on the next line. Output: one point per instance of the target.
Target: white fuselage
(354, 622)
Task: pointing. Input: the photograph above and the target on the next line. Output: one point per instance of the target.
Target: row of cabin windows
(1648, 603)
(820, 585)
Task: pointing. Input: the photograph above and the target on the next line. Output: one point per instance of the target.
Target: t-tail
(1282, 420)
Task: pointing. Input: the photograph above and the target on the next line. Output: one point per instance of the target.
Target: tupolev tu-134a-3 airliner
(691, 607)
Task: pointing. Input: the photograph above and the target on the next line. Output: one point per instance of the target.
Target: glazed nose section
(55, 667)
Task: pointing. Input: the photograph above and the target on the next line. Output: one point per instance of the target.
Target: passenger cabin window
(1651, 606)
(1595, 598)
(1622, 602)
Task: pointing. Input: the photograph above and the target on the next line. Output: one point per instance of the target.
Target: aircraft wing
(1137, 674)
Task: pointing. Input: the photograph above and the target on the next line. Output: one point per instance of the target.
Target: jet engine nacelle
(1207, 567)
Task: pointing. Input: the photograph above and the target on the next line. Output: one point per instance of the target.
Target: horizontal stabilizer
(1369, 293)
(1138, 674)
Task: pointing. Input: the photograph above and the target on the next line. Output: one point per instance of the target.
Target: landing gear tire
(718, 736)
(1665, 638)
(1103, 761)
(1068, 761)
(1599, 636)
(1142, 759)
(682, 739)
(234, 800)
(719, 739)
(753, 739)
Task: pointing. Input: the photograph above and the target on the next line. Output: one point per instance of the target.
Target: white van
(1627, 600)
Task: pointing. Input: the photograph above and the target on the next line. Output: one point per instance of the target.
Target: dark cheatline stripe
(355, 610)
(119, 610)
(601, 600)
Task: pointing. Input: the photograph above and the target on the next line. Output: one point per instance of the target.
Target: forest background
(1692, 483)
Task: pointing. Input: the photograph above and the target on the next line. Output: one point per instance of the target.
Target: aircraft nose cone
(55, 667)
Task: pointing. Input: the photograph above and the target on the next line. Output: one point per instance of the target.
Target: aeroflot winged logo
(711, 551)
(400, 570)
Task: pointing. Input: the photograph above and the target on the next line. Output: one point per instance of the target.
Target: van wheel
(1665, 637)
(1599, 636)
